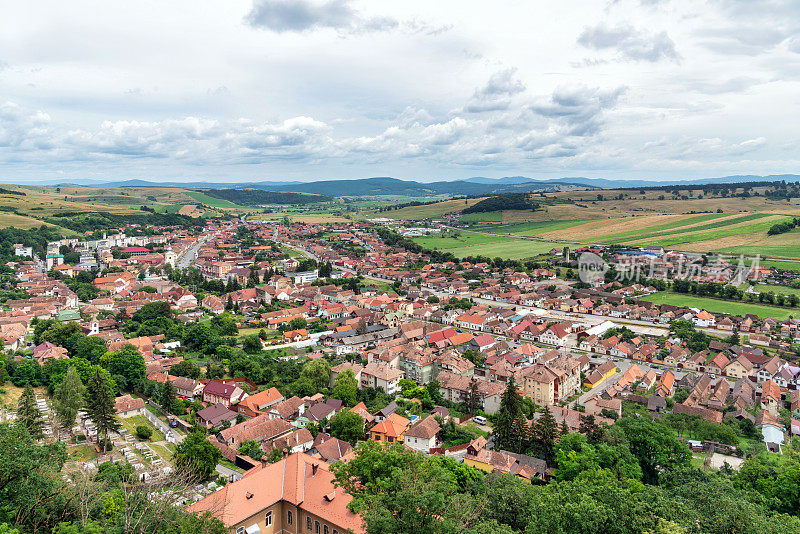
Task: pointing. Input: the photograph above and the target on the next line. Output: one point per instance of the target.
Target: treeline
(85, 222)
(783, 227)
(414, 203)
(4, 191)
(722, 189)
(506, 201)
(729, 292)
(250, 197)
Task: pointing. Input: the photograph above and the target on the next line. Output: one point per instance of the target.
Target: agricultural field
(778, 290)
(464, 239)
(529, 228)
(721, 306)
(428, 211)
(474, 244)
(781, 265)
(212, 201)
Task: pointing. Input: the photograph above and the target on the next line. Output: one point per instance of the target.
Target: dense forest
(256, 197)
(507, 201)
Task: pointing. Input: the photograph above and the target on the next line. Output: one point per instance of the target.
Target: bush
(143, 432)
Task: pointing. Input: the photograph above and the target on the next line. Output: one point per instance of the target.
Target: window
(325, 529)
(268, 519)
(316, 527)
(289, 517)
(335, 531)
(240, 530)
(308, 523)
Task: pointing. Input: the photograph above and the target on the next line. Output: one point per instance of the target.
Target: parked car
(481, 420)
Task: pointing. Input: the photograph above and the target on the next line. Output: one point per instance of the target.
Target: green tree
(252, 449)
(318, 372)
(473, 400)
(398, 491)
(143, 432)
(197, 455)
(507, 417)
(348, 426)
(32, 490)
(545, 434)
(28, 414)
(68, 398)
(345, 387)
(654, 446)
(100, 406)
(167, 398)
(127, 362)
(252, 344)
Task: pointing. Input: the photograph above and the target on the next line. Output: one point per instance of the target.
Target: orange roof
(771, 389)
(298, 479)
(458, 339)
(393, 426)
(262, 399)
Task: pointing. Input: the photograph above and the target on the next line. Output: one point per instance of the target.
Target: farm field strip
(720, 306)
(705, 236)
(739, 222)
(683, 222)
(698, 226)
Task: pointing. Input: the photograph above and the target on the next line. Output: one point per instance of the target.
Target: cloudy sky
(236, 90)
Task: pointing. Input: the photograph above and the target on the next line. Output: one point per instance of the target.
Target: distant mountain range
(471, 186)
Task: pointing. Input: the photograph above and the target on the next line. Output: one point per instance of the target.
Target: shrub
(143, 432)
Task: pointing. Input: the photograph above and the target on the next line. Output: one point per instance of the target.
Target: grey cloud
(496, 94)
(304, 15)
(630, 43)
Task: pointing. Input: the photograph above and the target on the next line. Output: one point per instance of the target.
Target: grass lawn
(721, 306)
(514, 249)
(465, 239)
(783, 290)
(164, 450)
(781, 265)
(791, 250)
(130, 424)
(212, 201)
(82, 453)
(532, 227)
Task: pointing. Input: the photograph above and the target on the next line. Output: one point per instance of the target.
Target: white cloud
(631, 44)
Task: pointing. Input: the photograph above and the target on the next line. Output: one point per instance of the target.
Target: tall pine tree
(507, 416)
(473, 400)
(545, 435)
(28, 413)
(168, 398)
(100, 406)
